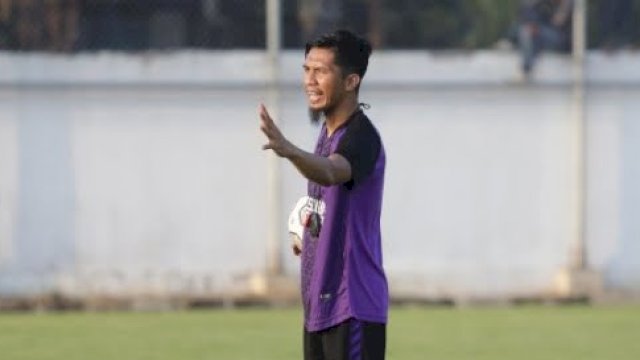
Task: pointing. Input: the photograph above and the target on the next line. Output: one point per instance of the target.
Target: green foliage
(491, 21)
(473, 24)
(438, 24)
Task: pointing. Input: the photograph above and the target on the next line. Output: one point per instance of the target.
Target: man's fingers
(270, 129)
(264, 111)
(264, 114)
(266, 124)
(268, 132)
(267, 120)
(264, 117)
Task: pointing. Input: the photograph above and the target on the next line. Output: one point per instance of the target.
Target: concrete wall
(126, 174)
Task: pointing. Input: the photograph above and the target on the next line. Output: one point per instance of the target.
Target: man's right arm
(326, 171)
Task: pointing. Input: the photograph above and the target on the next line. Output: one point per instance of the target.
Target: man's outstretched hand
(277, 142)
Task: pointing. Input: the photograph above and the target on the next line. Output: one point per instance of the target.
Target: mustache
(315, 116)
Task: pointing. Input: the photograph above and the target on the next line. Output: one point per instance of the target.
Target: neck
(340, 114)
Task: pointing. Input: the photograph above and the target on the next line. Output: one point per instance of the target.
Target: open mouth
(314, 96)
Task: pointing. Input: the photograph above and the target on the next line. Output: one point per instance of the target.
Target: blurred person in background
(39, 24)
(6, 12)
(319, 16)
(616, 23)
(29, 25)
(216, 25)
(543, 25)
(61, 24)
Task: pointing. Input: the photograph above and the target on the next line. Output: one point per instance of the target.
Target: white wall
(143, 173)
(8, 181)
(614, 185)
(480, 190)
(168, 185)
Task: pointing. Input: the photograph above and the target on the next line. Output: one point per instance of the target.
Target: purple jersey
(342, 274)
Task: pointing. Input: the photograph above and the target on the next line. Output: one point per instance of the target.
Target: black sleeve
(360, 145)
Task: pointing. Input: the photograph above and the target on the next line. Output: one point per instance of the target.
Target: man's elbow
(329, 179)
(334, 173)
(335, 177)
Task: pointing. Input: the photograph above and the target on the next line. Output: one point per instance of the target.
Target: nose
(309, 78)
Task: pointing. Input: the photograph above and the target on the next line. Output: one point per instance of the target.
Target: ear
(352, 82)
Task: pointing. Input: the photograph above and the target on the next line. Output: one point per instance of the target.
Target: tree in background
(439, 24)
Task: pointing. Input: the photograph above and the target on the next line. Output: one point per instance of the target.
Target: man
(616, 23)
(544, 24)
(344, 288)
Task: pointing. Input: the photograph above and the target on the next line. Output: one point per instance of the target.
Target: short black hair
(351, 51)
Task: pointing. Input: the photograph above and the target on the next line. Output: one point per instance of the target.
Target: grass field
(523, 333)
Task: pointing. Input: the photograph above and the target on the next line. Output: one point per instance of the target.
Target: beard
(315, 116)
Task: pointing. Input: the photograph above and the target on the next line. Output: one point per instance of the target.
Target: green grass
(523, 333)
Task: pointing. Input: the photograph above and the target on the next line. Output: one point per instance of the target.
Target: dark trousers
(350, 340)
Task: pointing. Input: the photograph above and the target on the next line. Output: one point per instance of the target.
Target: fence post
(274, 220)
(578, 249)
(577, 280)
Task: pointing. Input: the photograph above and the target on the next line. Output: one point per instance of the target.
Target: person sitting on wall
(543, 25)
